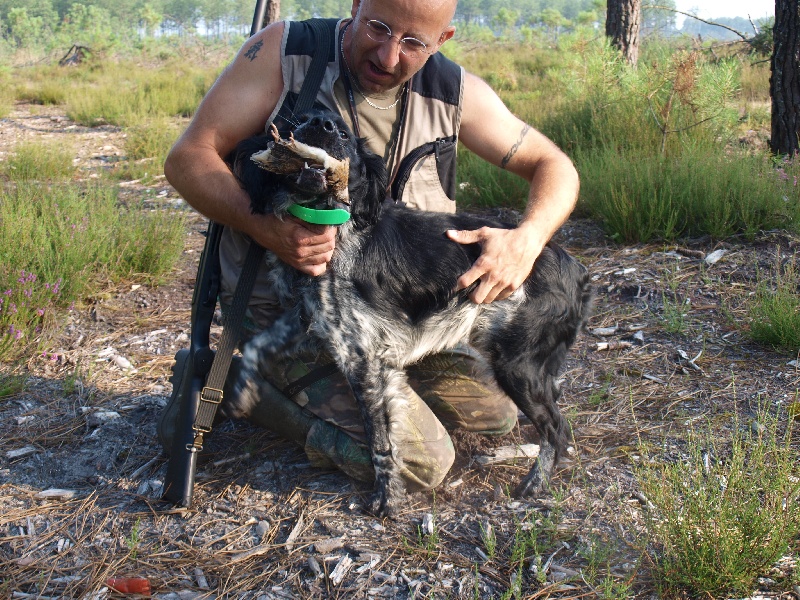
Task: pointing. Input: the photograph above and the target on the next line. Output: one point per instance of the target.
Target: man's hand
(306, 247)
(506, 260)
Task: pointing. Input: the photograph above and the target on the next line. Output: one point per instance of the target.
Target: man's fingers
(470, 277)
(314, 270)
(306, 247)
(465, 236)
(487, 292)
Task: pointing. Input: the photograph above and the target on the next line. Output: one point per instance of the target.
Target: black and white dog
(388, 298)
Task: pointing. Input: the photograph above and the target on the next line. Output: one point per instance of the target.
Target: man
(388, 81)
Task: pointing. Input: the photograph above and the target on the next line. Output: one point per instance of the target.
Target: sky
(710, 9)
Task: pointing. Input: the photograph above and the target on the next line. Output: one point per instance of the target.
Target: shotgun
(188, 439)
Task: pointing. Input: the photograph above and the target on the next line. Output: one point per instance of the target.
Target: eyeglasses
(380, 32)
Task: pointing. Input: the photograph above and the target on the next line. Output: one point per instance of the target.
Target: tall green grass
(721, 516)
(7, 96)
(483, 185)
(42, 90)
(39, 161)
(678, 99)
(774, 318)
(146, 147)
(128, 94)
(639, 199)
(654, 145)
(60, 242)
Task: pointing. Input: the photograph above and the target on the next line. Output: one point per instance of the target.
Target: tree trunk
(622, 26)
(273, 12)
(784, 81)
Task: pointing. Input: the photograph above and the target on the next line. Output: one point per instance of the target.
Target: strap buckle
(211, 395)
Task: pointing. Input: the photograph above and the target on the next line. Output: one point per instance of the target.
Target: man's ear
(354, 9)
(447, 34)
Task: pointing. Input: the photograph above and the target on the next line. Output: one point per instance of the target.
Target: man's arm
(236, 107)
(490, 130)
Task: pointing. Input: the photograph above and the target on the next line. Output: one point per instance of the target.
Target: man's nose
(389, 54)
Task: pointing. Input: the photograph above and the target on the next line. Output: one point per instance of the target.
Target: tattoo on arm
(253, 50)
(515, 147)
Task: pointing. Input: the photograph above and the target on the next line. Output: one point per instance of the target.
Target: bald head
(440, 12)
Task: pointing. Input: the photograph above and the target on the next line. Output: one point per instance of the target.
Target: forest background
(54, 24)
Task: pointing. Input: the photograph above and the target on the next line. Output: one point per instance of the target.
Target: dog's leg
(536, 393)
(380, 392)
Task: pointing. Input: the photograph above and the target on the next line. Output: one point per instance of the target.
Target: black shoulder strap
(211, 395)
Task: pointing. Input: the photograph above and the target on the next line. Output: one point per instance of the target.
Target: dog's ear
(367, 185)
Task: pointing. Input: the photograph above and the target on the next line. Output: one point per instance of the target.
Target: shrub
(725, 513)
(64, 242)
(775, 309)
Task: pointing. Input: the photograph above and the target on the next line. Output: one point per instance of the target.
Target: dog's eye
(343, 135)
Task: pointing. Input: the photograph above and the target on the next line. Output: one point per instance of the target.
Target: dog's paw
(382, 505)
(390, 492)
(245, 394)
(536, 482)
(533, 484)
(386, 500)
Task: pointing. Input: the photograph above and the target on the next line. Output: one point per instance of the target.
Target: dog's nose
(326, 124)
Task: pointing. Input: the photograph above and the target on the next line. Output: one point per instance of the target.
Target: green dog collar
(327, 216)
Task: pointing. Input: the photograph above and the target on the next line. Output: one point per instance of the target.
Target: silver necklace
(363, 95)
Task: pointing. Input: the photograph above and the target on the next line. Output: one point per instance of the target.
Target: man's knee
(495, 414)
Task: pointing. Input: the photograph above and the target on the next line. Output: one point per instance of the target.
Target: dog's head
(308, 185)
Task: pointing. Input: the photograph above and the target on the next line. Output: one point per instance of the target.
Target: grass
(11, 385)
(133, 539)
(7, 95)
(724, 512)
(775, 308)
(653, 145)
(644, 199)
(62, 242)
(599, 557)
(146, 147)
(128, 94)
(489, 539)
(675, 308)
(755, 81)
(482, 185)
(47, 92)
(37, 161)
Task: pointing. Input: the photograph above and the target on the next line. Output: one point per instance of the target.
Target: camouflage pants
(445, 391)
